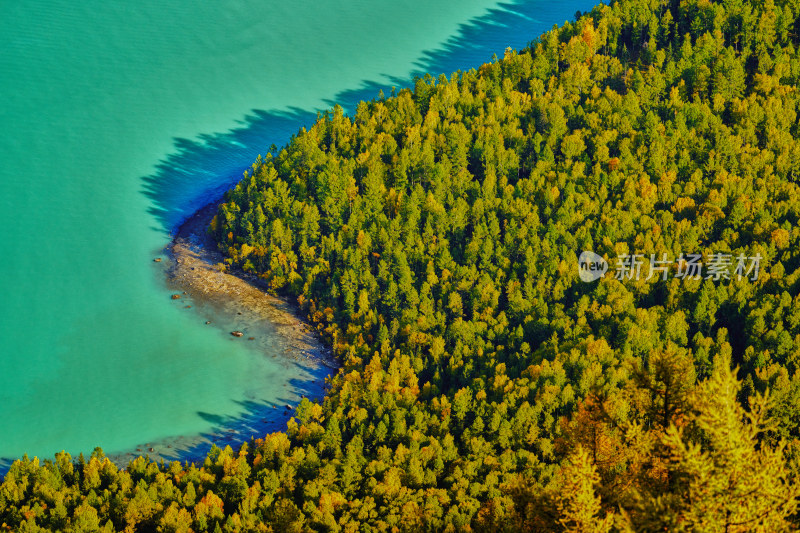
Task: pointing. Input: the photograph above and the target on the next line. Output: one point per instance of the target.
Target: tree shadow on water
(200, 170)
(255, 420)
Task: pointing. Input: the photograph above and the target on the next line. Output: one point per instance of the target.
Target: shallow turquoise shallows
(117, 120)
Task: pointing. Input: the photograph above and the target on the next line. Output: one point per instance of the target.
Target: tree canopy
(433, 239)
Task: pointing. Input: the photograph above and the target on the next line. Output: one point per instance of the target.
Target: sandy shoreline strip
(239, 301)
(193, 270)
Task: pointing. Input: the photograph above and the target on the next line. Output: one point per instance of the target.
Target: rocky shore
(240, 305)
(193, 271)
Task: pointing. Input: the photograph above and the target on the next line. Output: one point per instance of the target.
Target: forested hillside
(433, 240)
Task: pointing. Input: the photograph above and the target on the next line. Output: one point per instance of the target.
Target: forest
(432, 239)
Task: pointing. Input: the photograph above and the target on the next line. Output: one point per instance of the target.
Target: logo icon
(591, 266)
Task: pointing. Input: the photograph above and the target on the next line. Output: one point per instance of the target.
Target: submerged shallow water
(117, 121)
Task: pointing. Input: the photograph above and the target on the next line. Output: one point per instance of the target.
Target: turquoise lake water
(118, 120)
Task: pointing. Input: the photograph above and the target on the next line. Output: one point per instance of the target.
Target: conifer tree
(725, 480)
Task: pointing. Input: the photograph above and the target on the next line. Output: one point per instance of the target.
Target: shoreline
(192, 270)
(238, 300)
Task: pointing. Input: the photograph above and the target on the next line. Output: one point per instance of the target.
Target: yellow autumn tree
(725, 480)
(578, 504)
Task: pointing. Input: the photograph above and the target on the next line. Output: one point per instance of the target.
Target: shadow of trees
(255, 420)
(200, 170)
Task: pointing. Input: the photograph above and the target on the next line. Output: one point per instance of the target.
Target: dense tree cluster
(433, 240)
